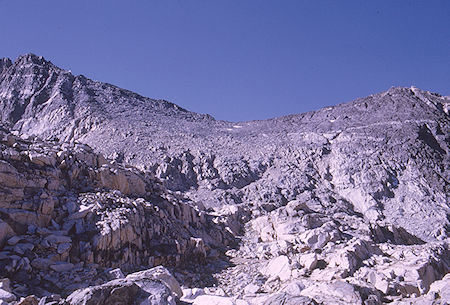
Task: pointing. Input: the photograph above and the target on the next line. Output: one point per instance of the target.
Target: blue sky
(239, 59)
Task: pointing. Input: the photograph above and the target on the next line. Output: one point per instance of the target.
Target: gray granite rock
(351, 201)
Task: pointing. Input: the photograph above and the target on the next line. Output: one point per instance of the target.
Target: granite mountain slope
(335, 194)
(365, 152)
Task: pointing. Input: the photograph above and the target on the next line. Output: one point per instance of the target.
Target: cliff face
(370, 175)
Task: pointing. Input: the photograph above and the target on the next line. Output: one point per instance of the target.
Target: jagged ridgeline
(344, 205)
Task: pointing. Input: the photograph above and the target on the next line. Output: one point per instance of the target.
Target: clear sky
(239, 59)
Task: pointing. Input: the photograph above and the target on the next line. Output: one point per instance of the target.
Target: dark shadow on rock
(394, 235)
(428, 138)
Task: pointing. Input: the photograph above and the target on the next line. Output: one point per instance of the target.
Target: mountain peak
(31, 58)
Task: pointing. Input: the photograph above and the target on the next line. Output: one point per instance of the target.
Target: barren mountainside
(344, 205)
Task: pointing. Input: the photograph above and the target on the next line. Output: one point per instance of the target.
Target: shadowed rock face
(337, 185)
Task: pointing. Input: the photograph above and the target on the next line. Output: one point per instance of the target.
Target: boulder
(123, 291)
(278, 267)
(5, 284)
(337, 292)
(29, 300)
(157, 273)
(190, 294)
(14, 240)
(319, 237)
(7, 296)
(379, 281)
(251, 289)
(41, 263)
(308, 261)
(441, 289)
(413, 274)
(5, 232)
(288, 229)
(294, 288)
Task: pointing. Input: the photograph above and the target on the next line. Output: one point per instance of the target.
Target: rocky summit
(108, 197)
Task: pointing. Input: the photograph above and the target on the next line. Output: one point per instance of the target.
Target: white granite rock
(278, 267)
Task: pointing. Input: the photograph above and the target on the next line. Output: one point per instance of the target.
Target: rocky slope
(68, 217)
(347, 204)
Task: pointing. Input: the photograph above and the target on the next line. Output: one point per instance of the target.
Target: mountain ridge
(40, 60)
(33, 59)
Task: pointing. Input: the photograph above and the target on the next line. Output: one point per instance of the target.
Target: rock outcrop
(344, 205)
(67, 215)
(153, 287)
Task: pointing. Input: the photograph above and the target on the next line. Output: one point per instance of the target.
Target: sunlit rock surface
(350, 199)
